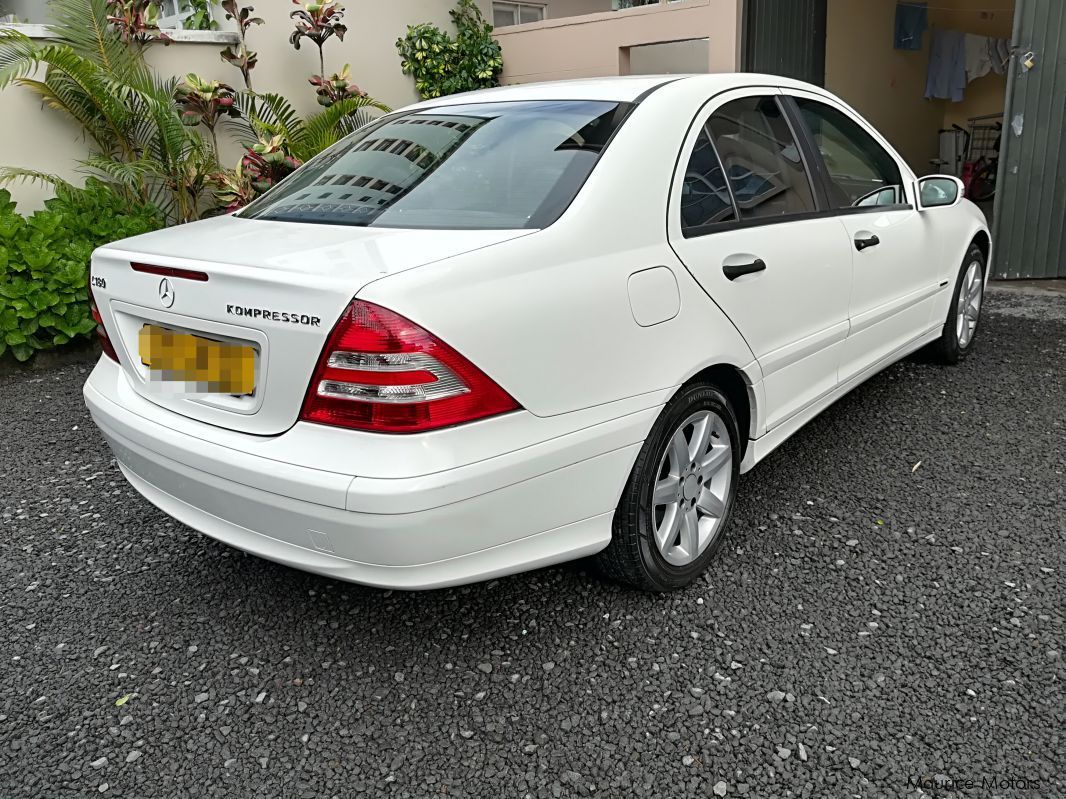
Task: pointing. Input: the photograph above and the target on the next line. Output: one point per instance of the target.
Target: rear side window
(761, 159)
(498, 165)
(861, 171)
(705, 196)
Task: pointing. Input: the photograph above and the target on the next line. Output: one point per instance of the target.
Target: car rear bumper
(544, 504)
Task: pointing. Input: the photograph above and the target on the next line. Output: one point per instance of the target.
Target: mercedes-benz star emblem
(166, 293)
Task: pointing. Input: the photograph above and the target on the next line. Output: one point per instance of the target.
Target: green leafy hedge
(442, 65)
(44, 263)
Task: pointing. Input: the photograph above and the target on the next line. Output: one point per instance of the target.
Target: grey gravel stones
(593, 690)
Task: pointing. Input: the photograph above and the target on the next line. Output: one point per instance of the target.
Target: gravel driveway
(889, 607)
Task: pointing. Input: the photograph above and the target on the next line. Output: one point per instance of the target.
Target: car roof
(625, 88)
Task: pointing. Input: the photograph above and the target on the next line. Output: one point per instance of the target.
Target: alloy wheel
(691, 489)
(971, 293)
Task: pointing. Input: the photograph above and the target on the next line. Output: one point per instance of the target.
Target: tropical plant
(200, 19)
(242, 58)
(96, 74)
(336, 87)
(144, 131)
(205, 102)
(262, 167)
(301, 138)
(233, 189)
(442, 65)
(44, 263)
(317, 22)
(137, 21)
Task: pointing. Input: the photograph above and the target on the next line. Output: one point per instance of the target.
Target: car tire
(957, 339)
(675, 509)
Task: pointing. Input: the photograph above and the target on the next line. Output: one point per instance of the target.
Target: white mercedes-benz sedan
(504, 329)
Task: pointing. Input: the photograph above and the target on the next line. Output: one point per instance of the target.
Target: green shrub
(44, 263)
(442, 65)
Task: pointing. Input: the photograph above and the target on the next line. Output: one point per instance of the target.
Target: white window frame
(517, 6)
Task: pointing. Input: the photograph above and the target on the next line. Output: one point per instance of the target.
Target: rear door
(745, 221)
(894, 255)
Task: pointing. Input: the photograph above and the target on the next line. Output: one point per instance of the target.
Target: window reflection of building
(390, 162)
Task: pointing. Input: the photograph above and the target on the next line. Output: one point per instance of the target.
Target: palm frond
(82, 25)
(275, 116)
(57, 95)
(132, 174)
(18, 56)
(96, 87)
(326, 128)
(10, 174)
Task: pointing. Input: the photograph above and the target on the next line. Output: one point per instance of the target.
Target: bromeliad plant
(318, 22)
(336, 87)
(205, 102)
(263, 166)
(242, 58)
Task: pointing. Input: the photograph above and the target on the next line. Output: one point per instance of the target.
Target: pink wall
(595, 44)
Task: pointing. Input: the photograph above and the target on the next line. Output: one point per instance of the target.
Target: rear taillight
(384, 373)
(101, 333)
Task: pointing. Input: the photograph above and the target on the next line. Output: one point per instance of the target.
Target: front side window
(761, 159)
(705, 196)
(495, 166)
(861, 171)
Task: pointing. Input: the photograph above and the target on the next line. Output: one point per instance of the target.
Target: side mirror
(940, 191)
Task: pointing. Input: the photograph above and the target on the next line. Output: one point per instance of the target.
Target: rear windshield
(501, 165)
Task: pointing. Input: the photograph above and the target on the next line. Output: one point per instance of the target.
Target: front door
(895, 261)
(742, 220)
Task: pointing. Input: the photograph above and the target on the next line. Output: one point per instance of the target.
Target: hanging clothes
(947, 66)
(999, 55)
(978, 57)
(911, 21)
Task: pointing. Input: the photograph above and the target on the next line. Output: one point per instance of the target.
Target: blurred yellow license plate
(203, 365)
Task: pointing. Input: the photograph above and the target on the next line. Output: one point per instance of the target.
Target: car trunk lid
(277, 287)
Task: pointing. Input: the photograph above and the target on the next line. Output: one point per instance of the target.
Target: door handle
(733, 271)
(865, 243)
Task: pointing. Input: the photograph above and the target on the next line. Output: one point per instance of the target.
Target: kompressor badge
(286, 317)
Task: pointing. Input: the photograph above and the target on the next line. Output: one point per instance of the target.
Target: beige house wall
(41, 138)
(597, 44)
(885, 85)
